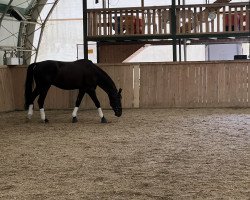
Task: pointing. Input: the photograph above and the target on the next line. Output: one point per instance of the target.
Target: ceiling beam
(4, 13)
(26, 40)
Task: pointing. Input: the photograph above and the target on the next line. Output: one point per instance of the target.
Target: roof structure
(19, 21)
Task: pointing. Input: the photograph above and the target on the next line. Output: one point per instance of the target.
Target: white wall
(223, 51)
(60, 39)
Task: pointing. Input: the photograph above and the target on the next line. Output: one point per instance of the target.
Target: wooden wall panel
(6, 90)
(18, 80)
(191, 86)
(195, 84)
(144, 93)
(157, 85)
(158, 82)
(211, 94)
(116, 53)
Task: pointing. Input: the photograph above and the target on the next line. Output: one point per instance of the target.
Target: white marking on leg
(42, 113)
(75, 111)
(30, 111)
(100, 112)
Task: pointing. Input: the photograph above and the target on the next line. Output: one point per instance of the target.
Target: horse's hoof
(103, 120)
(46, 121)
(74, 120)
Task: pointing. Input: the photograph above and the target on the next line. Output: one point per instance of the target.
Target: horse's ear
(120, 90)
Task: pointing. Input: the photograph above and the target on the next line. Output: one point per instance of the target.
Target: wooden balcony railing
(212, 18)
(190, 19)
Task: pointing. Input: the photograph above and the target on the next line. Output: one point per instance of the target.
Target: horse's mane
(104, 80)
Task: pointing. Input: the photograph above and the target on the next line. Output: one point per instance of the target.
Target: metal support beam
(22, 21)
(185, 41)
(142, 3)
(28, 30)
(173, 30)
(6, 10)
(179, 41)
(179, 3)
(43, 26)
(185, 49)
(85, 25)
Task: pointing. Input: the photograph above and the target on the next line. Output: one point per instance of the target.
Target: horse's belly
(72, 84)
(73, 81)
(67, 86)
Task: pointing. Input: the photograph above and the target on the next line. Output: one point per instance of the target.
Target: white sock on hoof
(42, 113)
(30, 111)
(100, 112)
(75, 111)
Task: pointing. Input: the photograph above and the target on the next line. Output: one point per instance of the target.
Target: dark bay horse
(81, 74)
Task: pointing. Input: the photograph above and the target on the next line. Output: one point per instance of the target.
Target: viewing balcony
(166, 22)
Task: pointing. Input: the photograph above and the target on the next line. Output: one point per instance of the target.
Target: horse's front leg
(77, 104)
(93, 96)
(40, 101)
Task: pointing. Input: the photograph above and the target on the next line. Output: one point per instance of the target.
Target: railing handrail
(214, 5)
(127, 8)
(164, 7)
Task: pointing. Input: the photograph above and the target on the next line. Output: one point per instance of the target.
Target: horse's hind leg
(77, 104)
(93, 96)
(42, 96)
(34, 94)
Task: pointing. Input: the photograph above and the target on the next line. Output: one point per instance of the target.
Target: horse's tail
(29, 85)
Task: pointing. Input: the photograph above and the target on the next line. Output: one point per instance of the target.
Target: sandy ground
(145, 154)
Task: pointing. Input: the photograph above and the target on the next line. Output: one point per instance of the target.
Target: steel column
(85, 26)
(173, 29)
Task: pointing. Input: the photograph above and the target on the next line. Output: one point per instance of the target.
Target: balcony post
(85, 25)
(173, 29)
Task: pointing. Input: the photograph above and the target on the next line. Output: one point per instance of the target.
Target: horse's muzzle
(118, 114)
(118, 111)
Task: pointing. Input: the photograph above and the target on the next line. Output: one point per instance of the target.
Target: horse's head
(115, 103)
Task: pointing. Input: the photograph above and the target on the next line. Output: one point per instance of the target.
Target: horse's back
(67, 75)
(45, 71)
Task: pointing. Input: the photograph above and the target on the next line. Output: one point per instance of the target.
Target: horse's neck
(106, 83)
